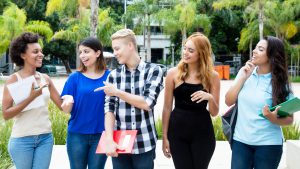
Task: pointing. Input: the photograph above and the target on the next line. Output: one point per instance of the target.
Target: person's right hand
(36, 91)
(166, 148)
(111, 148)
(67, 100)
(247, 70)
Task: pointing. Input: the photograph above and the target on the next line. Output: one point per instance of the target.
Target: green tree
(181, 17)
(142, 12)
(13, 23)
(282, 18)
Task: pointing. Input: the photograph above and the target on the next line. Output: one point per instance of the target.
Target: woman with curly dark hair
(31, 141)
(260, 84)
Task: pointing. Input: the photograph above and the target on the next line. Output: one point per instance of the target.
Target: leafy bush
(5, 130)
(59, 121)
(158, 126)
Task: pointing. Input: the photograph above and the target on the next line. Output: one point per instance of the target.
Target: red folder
(124, 138)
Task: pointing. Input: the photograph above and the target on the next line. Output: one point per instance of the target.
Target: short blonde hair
(126, 34)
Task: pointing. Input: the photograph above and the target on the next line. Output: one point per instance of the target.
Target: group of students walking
(99, 99)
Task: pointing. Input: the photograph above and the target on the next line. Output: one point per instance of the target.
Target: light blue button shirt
(250, 128)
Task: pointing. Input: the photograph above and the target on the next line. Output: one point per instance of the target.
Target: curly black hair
(19, 46)
(280, 81)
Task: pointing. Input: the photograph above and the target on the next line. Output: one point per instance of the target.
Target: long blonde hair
(204, 51)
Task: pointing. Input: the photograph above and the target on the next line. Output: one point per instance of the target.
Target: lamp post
(172, 46)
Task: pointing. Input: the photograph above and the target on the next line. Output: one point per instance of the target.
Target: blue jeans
(259, 157)
(134, 161)
(81, 150)
(31, 152)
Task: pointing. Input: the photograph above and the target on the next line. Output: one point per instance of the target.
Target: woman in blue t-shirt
(260, 84)
(86, 106)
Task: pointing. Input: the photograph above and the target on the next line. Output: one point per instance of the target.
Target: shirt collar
(267, 75)
(139, 67)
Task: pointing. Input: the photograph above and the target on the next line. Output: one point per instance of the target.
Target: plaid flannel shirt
(146, 81)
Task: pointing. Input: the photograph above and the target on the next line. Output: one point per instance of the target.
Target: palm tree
(282, 18)
(79, 18)
(13, 23)
(181, 17)
(142, 11)
(257, 4)
(94, 17)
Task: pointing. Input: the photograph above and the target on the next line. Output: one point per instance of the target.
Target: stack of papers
(20, 90)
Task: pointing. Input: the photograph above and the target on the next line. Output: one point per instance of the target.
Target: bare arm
(54, 95)
(168, 101)
(9, 110)
(213, 102)
(111, 145)
(244, 73)
(168, 104)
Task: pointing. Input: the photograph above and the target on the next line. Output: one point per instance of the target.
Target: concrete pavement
(221, 158)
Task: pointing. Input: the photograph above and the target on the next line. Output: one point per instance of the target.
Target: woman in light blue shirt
(259, 85)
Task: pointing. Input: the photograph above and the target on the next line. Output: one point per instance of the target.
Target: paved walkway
(220, 160)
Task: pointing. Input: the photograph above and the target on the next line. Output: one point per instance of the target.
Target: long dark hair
(280, 81)
(96, 45)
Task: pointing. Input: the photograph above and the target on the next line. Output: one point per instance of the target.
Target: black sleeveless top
(182, 95)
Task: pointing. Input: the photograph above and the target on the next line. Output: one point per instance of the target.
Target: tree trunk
(67, 66)
(260, 19)
(298, 64)
(94, 17)
(148, 39)
(77, 56)
(183, 33)
(250, 49)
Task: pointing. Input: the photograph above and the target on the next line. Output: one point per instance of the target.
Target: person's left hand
(272, 116)
(200, 95)
(109, 89)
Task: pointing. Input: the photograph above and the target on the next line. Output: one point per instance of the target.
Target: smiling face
(260, 53)
(33, 55)
(190, 54)
(120, 47)
(88, 56)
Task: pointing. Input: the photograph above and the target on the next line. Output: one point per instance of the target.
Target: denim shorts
(31, 152)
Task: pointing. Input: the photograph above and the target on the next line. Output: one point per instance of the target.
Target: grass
(295, 79)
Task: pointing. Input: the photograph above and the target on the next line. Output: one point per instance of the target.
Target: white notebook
(20, 90)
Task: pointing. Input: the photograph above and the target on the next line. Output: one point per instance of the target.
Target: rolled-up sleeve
(110, 101)
(153, 86)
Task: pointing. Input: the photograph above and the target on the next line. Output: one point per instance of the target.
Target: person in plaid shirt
(131, 93)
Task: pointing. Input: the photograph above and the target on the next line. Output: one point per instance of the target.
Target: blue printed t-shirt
(251, 128)
(87, 115)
